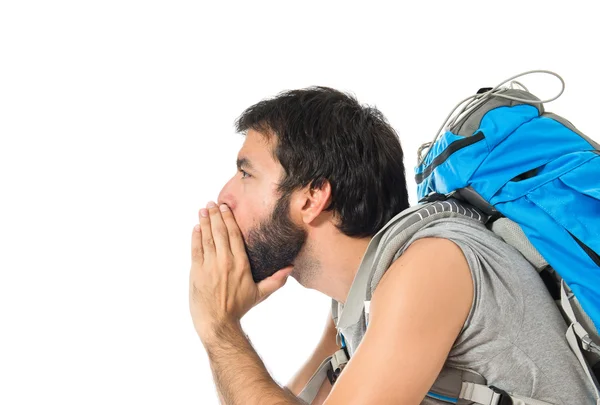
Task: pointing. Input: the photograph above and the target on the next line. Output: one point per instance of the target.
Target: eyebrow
(244, 163)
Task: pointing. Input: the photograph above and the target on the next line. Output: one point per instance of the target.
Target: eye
(245, 174)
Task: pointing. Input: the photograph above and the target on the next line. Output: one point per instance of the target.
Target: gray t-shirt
(514, 335)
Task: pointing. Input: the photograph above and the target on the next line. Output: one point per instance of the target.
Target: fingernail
(203, 212)
(223, 207)
(211, 205)
(197, 228)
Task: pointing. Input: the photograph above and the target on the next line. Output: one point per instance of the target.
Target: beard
(274, 243)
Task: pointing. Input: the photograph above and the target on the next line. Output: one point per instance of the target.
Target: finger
(236, 241)
(219, 230)
(197, 251)
(271, 284)
(208, 243)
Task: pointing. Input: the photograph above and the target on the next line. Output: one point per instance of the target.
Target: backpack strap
(464, 387)
(311, 389)
(483, 395)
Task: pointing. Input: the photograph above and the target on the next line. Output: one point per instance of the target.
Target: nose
(226, 196)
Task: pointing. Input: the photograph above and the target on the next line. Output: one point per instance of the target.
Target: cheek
(252, 207)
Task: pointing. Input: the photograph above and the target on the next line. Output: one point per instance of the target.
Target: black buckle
(432, 197)
(505, 399)
(333, 375)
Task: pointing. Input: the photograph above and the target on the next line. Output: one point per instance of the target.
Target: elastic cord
(474, 101)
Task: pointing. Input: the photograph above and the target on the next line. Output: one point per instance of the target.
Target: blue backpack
(536, 175)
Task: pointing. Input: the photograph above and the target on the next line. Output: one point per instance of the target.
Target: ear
(309, 202)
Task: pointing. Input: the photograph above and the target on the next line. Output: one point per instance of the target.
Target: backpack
(534, 180)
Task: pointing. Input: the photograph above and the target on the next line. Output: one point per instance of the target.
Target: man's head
(312, 158)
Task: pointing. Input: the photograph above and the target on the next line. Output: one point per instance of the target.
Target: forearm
(239, 373)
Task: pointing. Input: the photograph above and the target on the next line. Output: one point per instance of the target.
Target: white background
(116, 126)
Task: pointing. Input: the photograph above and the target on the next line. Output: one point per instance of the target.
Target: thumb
(271, 284)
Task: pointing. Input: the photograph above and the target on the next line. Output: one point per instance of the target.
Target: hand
(222, 290)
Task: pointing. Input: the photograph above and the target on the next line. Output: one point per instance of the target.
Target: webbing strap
(339, 360)
(483, 395)
(476, 393)
(576, 333)
(479, 394)
(311, 389)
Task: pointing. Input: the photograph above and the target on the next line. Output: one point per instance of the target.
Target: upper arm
(417, 312)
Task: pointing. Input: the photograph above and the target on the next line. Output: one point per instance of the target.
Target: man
(318, 176)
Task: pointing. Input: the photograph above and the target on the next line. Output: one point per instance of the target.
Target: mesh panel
(512, 234)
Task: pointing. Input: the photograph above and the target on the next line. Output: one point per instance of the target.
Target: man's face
(272, 239)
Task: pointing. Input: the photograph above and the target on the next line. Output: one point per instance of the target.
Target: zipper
(593, 255)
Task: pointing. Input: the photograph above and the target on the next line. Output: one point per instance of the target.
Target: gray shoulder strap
(311, 389)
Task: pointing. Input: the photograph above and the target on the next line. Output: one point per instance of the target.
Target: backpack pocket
(573, 201)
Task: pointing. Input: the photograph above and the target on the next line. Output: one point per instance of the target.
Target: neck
(329, 262)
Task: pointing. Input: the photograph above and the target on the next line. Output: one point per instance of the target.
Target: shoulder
(462, 239)
(431, 267)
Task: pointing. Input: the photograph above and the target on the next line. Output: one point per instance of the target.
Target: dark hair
(323, 133)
